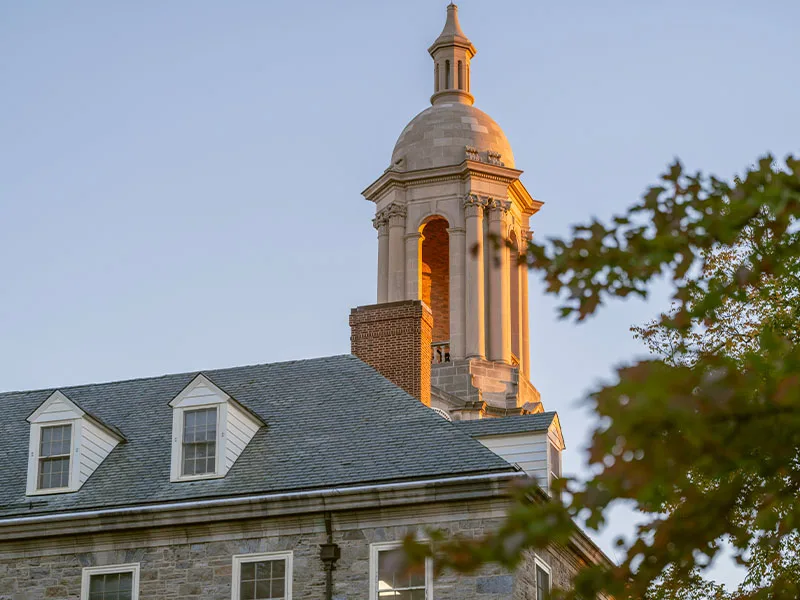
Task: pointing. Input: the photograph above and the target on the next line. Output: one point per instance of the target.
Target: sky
(180, 181)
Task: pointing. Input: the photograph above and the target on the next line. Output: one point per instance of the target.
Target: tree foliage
(703, 438)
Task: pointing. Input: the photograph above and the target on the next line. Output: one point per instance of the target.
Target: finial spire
(452, 52)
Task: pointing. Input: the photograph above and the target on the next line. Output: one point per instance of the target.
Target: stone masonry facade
(195, 562)
(394, 338)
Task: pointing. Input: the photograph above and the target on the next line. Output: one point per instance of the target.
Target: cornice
(468, 168)
(449, 489)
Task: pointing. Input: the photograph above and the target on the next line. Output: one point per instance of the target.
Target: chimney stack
(394, 338)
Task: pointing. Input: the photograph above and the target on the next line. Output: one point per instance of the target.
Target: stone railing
(440, 352)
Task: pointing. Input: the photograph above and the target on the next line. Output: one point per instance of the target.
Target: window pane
(263, 580)
(111, 586)
(248, 590)
(542, 584)
(53, 473)
(394, 582)
(55, 440)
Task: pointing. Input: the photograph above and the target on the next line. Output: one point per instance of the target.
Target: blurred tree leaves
(702, 439)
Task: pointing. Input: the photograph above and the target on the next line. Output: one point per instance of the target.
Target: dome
(440, 135)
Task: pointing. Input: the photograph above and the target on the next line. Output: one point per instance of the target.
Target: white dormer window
(209, 431)
(199, 442)
(66, 446)
(55, 457)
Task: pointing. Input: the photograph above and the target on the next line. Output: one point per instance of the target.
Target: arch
(447, 82)
(460, 75)
(435, 280)
(515, 297)
(436, 78)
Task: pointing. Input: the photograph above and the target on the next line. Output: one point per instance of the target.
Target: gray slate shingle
(330, 421)
(506, 425)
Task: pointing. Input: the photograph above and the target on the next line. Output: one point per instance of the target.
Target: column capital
(381, 222)
(498, 208)
(456, 231)
(417, 235)
(474, 205)
(394, 215)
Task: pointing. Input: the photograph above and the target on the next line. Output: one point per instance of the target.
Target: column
(397, 258)
(473, 309)
(499, 292)
(457, 237)
(381, 223)
(413, 258)
(523, 287)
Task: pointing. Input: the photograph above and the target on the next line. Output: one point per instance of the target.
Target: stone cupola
(451, 190)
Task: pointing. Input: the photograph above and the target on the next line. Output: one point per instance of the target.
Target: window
(199, 442)
(55, 452)
(388, 581)
(542, 580)
(262, 576)
(555, 461)
(117, 582)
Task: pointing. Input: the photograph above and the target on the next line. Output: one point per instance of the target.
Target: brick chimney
(394, 338)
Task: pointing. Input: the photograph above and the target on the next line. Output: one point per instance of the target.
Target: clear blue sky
(180, 181)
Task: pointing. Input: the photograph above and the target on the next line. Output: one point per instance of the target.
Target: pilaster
(458, 264)
(474, 305)
(499, 283)
(396, 214)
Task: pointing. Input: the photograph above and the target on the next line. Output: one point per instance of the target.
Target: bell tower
(450, 193)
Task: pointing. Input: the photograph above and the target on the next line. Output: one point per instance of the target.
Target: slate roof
(506, 425)
(330, 421)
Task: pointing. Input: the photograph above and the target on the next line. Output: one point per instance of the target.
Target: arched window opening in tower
(460, 75)
(435, 280)
(436, 78)
(447, 81)
(514, 289)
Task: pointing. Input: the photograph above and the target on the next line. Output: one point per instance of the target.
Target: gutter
(285, 496)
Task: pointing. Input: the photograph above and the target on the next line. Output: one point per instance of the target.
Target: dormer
(533, 442)
(67, 444)
(210, 430)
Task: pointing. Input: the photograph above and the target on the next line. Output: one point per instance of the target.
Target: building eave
(468, 168)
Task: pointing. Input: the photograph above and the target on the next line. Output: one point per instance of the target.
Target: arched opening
(436, 78)
(467, 76)
(435, 276)
(460, 75)
(447, 81)
(514, 274)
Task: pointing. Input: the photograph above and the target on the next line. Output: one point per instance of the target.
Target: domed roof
(440, 135)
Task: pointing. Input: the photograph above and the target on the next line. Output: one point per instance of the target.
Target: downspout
(329, 553)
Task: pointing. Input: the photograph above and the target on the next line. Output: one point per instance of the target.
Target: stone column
(499, 284)
(473, 309)
(523, 287)
(458, 263)
(397, 228)
(413, 259)
(381, 223)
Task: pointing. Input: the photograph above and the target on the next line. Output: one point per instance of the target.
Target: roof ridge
(165, 375)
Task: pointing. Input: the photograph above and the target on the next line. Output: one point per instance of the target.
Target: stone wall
(475, 381)
(194, 562)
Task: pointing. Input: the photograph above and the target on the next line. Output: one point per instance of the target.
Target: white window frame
(378, 547)
(178, 421)
(238, 559)
(32, 488)
(539, 563)
(107, 570)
